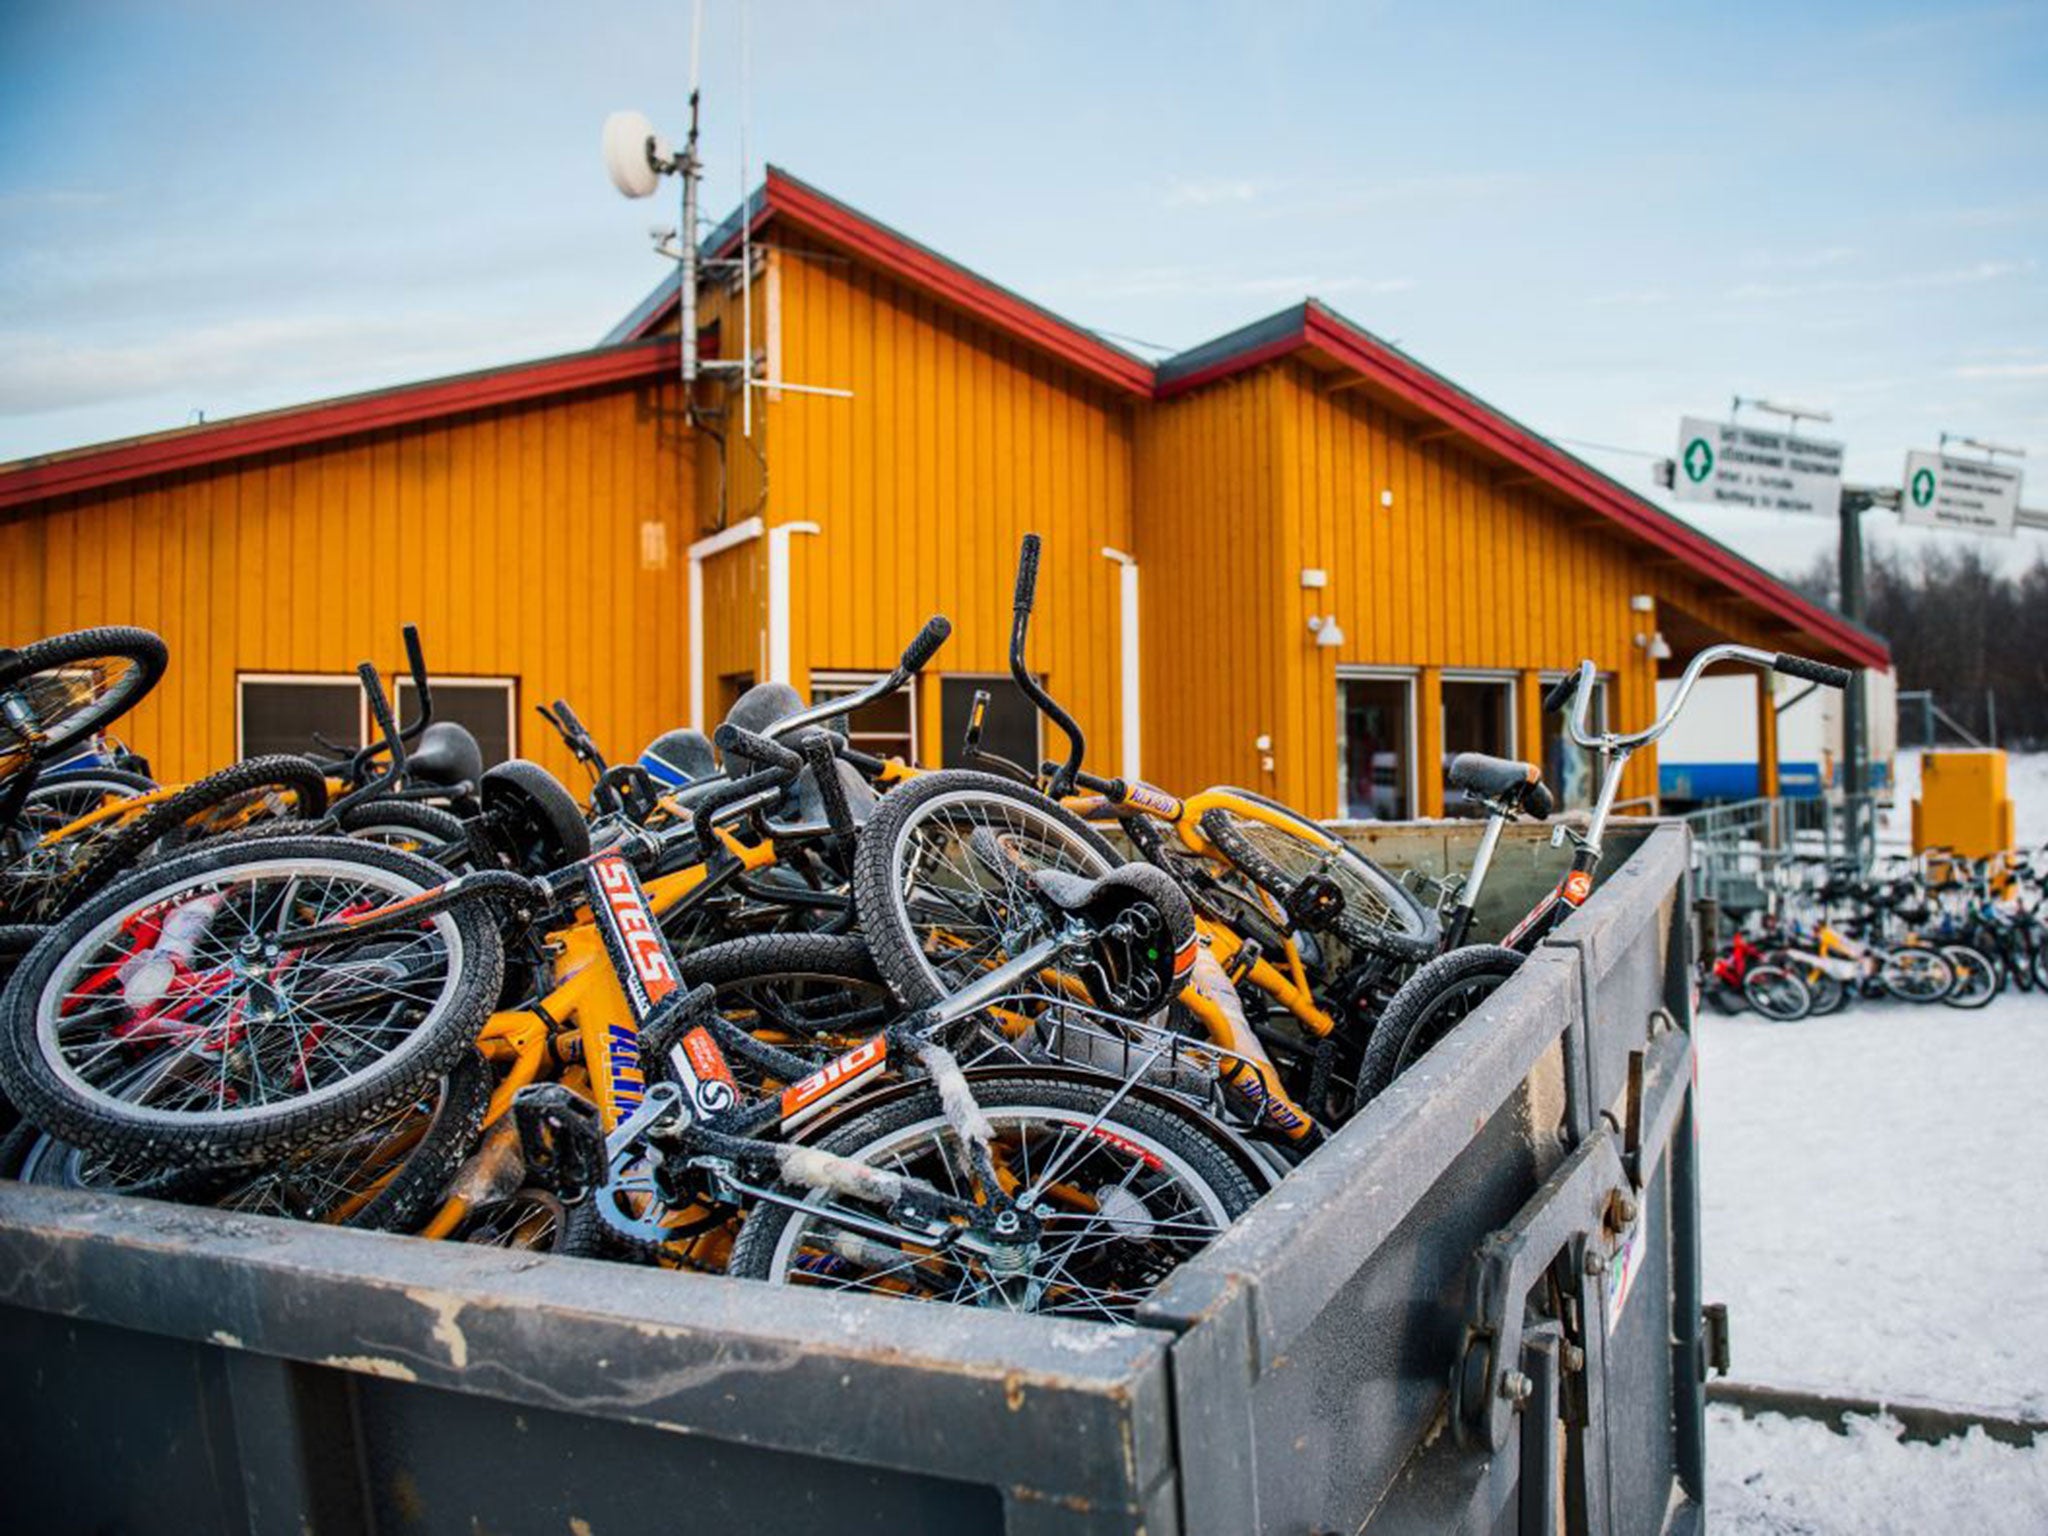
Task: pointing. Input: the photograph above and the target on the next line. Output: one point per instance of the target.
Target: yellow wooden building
(1292, 559)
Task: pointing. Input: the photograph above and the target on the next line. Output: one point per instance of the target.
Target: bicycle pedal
(1315, 901)
(561, 1140)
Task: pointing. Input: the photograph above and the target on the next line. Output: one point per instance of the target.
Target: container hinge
(1714, 1339)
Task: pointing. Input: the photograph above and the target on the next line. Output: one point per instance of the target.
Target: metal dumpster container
(1476, 1309)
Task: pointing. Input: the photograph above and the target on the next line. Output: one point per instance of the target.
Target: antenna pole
(686, 291)
(746, 231)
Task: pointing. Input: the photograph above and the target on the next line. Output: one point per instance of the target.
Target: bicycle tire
(460, 949)
(1409, 931)
(1777, 993)
(535, 1220)
(146, 654)
(1898, 966)
(1429, 1005)
(892, 932)
(1185, 1150)
(402, 824)
(1978, 979)
(159, 829)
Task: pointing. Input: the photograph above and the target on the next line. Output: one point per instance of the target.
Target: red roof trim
(783, 196)
(186, 448)
(1648, 522)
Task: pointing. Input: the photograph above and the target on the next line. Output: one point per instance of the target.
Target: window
(885, 728)
(1009, 729)
(488, 707)
(1570, 770)
(1375, 764)
(281, 713)
(1478, 716)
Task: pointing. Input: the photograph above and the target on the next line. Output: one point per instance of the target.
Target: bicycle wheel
(814, 995)
(405, 824)
(1777, 994)
(1977, 977)
(939, 878)
(1378, 912)
(154, 1020)
(535, 1220)
(237, 798)
(1916, 975)
(37, 878)
(1131, 1199)
(58, 691)
(1435, 1000)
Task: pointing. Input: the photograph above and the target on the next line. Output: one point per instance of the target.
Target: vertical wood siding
(512, 537)
(957, 442)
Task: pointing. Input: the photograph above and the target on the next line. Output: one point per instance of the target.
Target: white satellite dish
(634, 154)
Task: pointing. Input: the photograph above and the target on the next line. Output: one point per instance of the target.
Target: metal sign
(1733, 464)
(1944, 492)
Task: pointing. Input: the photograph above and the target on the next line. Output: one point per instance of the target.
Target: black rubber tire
(30, 1156)
(836, 963)
(537, 1221)
(1413, 941)
(1915, 959)
(394, 822)
(227, 1137)
(1777, 993)
(753, 1251)
(1430, 1003)
(458, 1102)
(55, 802)
(162, 828)
(1979, 978)
(145, 651)
(892, 938)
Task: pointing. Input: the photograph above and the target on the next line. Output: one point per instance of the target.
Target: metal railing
(1738, 847)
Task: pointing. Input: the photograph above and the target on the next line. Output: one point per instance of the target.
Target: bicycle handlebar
(1560, 693)
(1027, 573)
(1613, 741)
(1812, 671)
(937, 629)
(732, 740)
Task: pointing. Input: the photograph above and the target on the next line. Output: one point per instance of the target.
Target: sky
(1596, 217)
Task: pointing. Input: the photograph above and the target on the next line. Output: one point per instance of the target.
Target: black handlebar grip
(569, 721)
(733, 741)
(415, 657)
(380, 706)
(820, 753)
(1560, 693)
(927, 643)
(1027, 573)
(1813, 671)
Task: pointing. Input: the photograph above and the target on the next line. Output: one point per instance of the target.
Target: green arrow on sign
(1699, 460)
(1923, 487)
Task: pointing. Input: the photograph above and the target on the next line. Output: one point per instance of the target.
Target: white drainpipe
(702, 550)
(778, 598)
(1127, 580)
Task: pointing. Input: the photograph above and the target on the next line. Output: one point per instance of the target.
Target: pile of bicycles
(1934, 928)
(1015, 1035)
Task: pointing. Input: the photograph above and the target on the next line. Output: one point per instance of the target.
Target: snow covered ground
(1877, 1221)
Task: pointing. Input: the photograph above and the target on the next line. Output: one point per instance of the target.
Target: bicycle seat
(676, 758)
(447, 756)
(1519, 786)
(1145, 943)
(757, 709)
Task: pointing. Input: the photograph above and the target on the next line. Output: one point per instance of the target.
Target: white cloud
(2001, 371)
(1208, 193)
(1957, 277)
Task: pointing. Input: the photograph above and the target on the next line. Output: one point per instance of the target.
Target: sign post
(1941, 491)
